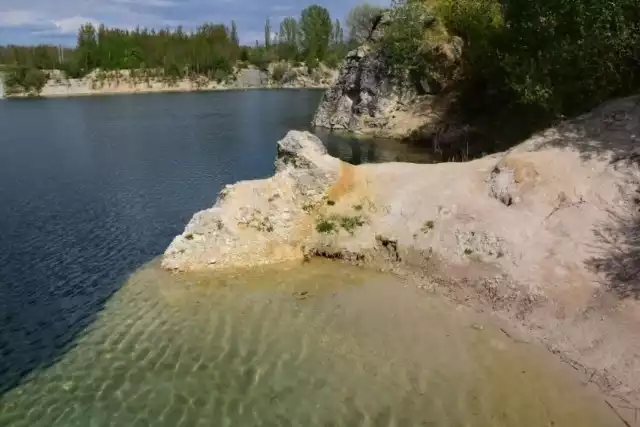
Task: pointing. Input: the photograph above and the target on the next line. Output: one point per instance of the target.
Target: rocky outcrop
(260, 222)
(367, 98)
(541, 234)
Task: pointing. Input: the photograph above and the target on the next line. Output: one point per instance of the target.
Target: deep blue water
(92, 188)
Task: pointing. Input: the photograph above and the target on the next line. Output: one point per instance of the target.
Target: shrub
(570, 55)
(326, 226)
(27, 80)
(279, 71)
(405, 42)
(560, 57)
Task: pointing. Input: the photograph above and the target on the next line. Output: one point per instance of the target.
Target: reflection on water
(319, 345)
(379, 150)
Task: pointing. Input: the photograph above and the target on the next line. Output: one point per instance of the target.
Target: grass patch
(333, 223)
(350, 223)
(326, 226)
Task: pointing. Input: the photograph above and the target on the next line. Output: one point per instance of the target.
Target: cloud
(148, 3)
(18, 18)
(38, 21)
(70, 25)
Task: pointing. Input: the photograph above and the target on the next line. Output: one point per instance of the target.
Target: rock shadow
(618, 262)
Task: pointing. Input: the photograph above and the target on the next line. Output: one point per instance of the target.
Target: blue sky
(56, 21)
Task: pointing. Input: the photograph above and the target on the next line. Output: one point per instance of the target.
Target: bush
(332, 60)
(560, 57)
(25, 80)
(570, 55)
(220, 75)
(280, 70)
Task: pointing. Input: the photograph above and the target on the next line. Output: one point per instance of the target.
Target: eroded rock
(564, 229)
(368, 97)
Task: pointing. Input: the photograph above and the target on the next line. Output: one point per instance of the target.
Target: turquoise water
(316, 345)
(92, 188)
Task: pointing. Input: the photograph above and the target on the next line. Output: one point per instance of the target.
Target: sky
(57, 21)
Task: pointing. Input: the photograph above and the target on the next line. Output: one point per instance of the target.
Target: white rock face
(523, 213)
(546, 234)
(259, 222)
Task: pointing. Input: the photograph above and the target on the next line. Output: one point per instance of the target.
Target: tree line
(210, 50)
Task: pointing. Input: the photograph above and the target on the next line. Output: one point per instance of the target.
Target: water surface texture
(92, 189)
(315, 345)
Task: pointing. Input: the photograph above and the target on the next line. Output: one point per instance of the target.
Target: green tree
(234, 34)
(360, 22)
(288, 39)
(315, 33)
(267, 34)
(338, 47)
(87, 47)
(570, 55)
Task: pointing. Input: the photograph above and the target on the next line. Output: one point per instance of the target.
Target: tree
(288, 39)
(234, 34)
(87, 47)
(267, 35)
(360, 22)
(338, 47)
(570, 55)
(315, 33)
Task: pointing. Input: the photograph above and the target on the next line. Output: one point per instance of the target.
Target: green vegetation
(24, 80)
(211, 50)
(558, 57)
(326, 226)
(334, 222)
(350, 223)
(360, 22)
(280, 71)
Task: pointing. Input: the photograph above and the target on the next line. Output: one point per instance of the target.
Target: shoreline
(125, 82)
(154, 91)
(526, 235)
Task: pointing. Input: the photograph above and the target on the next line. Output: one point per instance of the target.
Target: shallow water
(93, 188)
(322, 344)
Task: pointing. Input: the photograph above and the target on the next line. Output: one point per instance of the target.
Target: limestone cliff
(546, 235)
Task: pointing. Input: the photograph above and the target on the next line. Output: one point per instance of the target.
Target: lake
(93, 333)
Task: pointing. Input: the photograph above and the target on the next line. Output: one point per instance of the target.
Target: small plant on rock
(326, 226)
(428, 226)
(350, 223)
